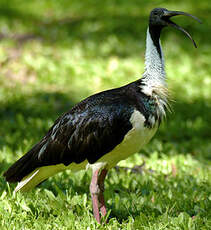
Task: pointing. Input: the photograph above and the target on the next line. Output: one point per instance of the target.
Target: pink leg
(101, 197)
(96, 189)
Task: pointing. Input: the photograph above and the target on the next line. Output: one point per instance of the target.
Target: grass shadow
(116, 21)
(28, 117)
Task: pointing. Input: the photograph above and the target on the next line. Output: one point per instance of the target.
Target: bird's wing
(88, 131)
(86, 135)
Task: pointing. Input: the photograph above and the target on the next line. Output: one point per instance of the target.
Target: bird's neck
(153, 82)
(154, 75)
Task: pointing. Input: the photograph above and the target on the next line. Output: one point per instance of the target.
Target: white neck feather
(154, 75)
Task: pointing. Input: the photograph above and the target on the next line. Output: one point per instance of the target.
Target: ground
(55, 53)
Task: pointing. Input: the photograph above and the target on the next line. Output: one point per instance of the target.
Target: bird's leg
(101, 197)
(96, 189)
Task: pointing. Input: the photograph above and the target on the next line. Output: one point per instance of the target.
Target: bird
(106, 127)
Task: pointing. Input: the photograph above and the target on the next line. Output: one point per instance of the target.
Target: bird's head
(160, 17)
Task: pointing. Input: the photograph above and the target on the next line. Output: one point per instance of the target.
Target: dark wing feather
(86, 135)
(90, 130)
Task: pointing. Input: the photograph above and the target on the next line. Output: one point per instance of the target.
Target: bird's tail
(25, 165)
(29, 171)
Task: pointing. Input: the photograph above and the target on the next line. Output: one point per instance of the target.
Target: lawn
(54, 54)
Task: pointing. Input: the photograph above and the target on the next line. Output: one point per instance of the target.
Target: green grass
(55, 53)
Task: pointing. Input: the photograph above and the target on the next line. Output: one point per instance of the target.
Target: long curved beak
(169, 14)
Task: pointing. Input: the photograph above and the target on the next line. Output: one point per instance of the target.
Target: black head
(160, 18)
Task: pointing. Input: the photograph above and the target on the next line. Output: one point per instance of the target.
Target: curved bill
(169, 14)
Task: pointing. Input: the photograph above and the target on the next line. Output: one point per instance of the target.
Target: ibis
(106, 127)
